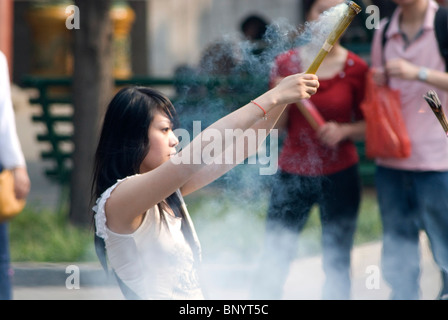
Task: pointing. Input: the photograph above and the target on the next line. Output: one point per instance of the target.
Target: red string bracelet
(265, 117)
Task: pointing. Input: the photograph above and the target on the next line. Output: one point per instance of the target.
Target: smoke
(230, 213)
(232, 72)
(316, 32)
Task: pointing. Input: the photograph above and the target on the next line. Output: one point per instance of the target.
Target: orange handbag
(386, 133)
(9, 205)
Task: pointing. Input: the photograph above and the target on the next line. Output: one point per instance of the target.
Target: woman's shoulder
(286, 57)
(99, 211)
(288, 62)
(356, 58)
(106, 193)
(356, 62)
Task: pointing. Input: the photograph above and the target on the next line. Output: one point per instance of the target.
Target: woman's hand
(400, 68)
(379, 76)
(331, 133)
(295, 88)
(22, 182)
(395, 68)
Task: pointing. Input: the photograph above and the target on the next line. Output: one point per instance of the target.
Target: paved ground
(48, 281)
(45, 281)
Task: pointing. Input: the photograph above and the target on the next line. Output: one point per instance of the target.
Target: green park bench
(52, 93)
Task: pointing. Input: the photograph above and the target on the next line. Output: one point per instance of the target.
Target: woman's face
(405, 3)
(320, 6)
(162, 142)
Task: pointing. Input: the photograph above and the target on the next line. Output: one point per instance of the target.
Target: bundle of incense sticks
(311, 114)
(308, 109)
(434, 102)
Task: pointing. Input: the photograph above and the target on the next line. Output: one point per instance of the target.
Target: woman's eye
(166, 129)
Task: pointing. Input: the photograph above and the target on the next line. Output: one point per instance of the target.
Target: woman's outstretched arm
(246, 144)
(133, 197)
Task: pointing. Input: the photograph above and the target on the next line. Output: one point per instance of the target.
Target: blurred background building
(163, 34)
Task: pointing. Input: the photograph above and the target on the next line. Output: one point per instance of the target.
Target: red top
(337, 99)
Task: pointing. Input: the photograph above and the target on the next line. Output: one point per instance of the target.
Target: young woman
(139, 183)
(317, 167)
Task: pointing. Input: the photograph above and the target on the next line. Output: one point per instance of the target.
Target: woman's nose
(173, 140)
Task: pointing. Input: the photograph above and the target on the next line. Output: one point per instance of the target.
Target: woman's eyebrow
(165, 122)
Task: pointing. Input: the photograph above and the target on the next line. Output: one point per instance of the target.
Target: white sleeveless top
(155, 261)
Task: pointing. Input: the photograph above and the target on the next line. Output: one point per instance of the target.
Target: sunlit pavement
(46, 281)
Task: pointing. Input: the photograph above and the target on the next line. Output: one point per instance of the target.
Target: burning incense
(311, 114)
(308, 110)
(434, 102)
(352, 10)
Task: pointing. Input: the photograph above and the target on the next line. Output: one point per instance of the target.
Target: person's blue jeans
(410, 201)
(5, 272)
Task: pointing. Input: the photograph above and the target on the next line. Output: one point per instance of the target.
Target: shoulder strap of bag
(441, 30)
(383, 35)
(128, 293)
(100, 248)
(384, 39)
(175, 204)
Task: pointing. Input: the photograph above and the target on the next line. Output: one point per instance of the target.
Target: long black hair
(123, 145)
(124, 142)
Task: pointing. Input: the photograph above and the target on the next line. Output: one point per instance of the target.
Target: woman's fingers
(296, 87)
(309, 84)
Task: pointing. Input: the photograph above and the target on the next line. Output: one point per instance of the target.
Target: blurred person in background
(317, 167)
(12, 158)
(254, 28)
(412, 192)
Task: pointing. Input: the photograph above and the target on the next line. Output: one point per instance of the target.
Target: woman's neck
(335, 51)
(412, 17)
(333, 63)
(414, 13)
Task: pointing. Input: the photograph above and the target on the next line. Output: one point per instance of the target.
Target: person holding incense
(142, 225)
(318, 166)
(413, 192)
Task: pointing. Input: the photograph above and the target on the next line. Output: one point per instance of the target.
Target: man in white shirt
(11, 157)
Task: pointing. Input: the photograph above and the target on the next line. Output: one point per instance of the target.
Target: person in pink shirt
(413, 192)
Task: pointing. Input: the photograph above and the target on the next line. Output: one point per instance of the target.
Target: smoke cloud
(229, 215)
